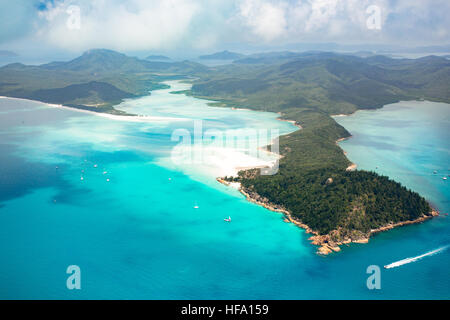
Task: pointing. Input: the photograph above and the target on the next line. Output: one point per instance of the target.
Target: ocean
(81, 189)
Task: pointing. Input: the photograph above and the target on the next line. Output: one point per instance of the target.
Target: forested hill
(327, 82)
(97, 80)
(313, 183)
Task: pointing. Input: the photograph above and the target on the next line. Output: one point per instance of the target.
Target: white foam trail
(413, 259)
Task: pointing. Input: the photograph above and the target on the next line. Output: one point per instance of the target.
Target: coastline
(324, 242)
(240, 160)
(353, 166)
(226, 166)
(288, 120)
(130, 118)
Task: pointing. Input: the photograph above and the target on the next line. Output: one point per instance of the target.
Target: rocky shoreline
(327, 245)
(325, 242)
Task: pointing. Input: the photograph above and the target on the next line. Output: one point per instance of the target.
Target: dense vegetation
(327, 199)
(308, 88)
(353, 202)
(97, 80)
(326, 82)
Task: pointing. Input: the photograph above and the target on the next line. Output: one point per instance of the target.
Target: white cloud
(312, 20)
(322, 13)
(265, 19)
(15, 18)
(135, 25)
(164, 25)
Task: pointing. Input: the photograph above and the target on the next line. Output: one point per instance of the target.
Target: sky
(174, 26)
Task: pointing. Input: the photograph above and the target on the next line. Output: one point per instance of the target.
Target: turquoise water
(139, 235)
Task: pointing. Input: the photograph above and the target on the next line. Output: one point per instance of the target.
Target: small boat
(81, 178)
(105, 172)
(434, 171)
(95, 165)
(196, 207)
(444, 178)
(227, 219)
(107, 180)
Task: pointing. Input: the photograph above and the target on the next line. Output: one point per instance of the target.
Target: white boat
(444, 178)
(227, 219)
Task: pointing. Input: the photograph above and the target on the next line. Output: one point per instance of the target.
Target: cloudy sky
(209, 25)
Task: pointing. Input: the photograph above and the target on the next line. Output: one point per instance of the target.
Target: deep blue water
(138, 235)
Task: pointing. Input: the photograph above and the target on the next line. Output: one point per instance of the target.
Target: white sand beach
(220, 162)
(114, 117)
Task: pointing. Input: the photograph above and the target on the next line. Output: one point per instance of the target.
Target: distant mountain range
(378, 48)
(331, 82)
(108, 61)
(272, 57)
(323, 80)
(279, 56)
(423, 49)
(157, 58)
(224, 55)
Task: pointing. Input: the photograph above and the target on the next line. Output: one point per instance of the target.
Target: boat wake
(414, 259)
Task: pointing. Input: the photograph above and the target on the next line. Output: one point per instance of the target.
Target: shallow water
(138, 235)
